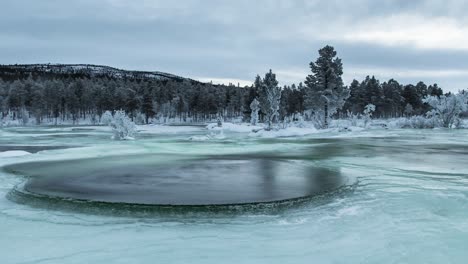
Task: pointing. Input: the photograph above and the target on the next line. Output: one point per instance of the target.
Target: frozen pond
(159, 180)
(379, 196)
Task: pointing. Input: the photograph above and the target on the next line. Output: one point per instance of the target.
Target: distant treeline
(49, 96)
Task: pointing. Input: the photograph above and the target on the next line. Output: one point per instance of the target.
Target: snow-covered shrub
(421, 122)
(255, 107)
(367, 113)
(353, 118)
(122, 126)
(447, 108)
(24, 117)
(106, 118)
(318, 119)
(94, 119)
(408, 109)
(299, 120)
(296, 120)
(415, 122)
(286, 122)
(8, 119)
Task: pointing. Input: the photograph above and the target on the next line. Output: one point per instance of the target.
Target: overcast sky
(235, 40)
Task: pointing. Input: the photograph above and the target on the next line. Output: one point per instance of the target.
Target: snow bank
(13, 153)
(464, 123)
(240, 128)
(286, 132)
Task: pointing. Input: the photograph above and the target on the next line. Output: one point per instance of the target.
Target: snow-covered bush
(94, 119)
(353, 118)
(318, 119)
(421, 122)
(5, 121)
(415, 122)
(296, 120)
(447, 108)
(255, 107)
(408, 109)
(367, 113)
(122, 126)
(106, 118)
(299, 120)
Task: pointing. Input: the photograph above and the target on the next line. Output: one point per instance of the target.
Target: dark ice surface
(163, 180)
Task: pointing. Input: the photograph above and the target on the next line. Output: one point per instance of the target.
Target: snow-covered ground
(13, 153)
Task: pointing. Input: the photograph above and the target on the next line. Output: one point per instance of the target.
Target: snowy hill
(86, 69)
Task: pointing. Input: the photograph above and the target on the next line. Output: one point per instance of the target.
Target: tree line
(49, 97)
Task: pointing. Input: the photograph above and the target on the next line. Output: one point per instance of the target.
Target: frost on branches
(367, 113)
(106, 118)
(325, 92)
(255, 107)
(447, 108)
(270, 97)
(122, 126)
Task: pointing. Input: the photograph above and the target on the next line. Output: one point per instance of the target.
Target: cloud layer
(232, 41)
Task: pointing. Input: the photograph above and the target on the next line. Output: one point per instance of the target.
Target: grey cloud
(218, 39)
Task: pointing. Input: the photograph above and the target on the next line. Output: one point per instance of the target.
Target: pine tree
(354, 101)
(372, 92)
(411, 97)
(325, 90)
(147, 106)
(38, 103)
(393, 101)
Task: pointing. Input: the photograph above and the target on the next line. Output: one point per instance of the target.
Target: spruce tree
(325, 90)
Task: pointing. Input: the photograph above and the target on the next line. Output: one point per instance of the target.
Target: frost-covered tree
(367, 113)
(369, 110)
(64, 95)
(270, 97)
(324, 87)
(122, 126)
(255, 107)
(446, 109)
(106, 118)
(408, 109)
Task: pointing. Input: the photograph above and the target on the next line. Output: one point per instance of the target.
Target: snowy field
(405, 198)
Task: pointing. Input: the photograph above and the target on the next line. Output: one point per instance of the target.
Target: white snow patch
(13, 153)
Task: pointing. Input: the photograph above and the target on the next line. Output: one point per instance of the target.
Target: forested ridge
(56, 92)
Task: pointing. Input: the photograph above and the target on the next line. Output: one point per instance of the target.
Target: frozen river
(379, 196)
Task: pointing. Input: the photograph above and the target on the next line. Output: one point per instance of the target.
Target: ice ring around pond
(165, 180)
